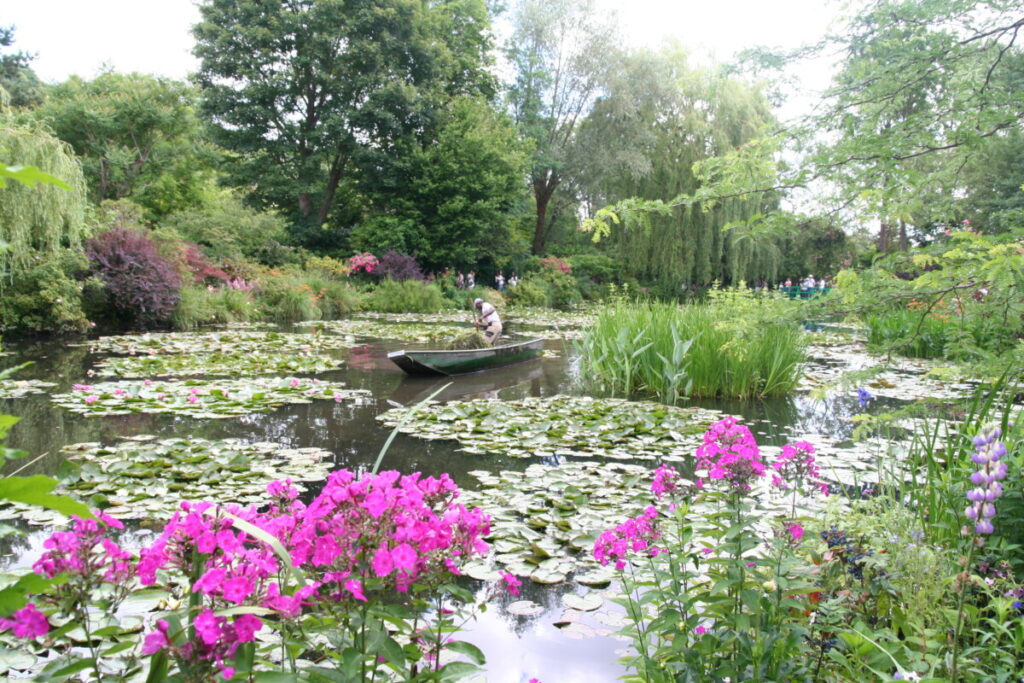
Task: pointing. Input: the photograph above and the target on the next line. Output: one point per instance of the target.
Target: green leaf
(469, 650)
(14, 597)
(35, 490)
(455, 671)
(270, 540)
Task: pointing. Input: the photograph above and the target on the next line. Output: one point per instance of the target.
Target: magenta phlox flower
(666, 480)
(87, 553)
(796, 465)
(635, 535)
(730, 453)
(511, 583)
(354, 587)
(796, 532)
(27, 622)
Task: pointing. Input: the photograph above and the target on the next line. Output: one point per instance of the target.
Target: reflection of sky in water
(517, 648)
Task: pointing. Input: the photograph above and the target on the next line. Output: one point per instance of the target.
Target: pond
(560, 637)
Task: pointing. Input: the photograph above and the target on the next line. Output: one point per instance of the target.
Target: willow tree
(691, 115)
(39, 221)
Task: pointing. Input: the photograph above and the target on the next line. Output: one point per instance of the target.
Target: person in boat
(487, 320)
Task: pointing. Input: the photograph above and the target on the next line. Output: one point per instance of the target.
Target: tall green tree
(39, 221)
(923, 86)
(16, 75)
(138, 136)
(689, 116)
(450, 206)
(304, 92)
(561, 51)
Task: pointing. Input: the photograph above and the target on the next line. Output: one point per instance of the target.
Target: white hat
(477, 302)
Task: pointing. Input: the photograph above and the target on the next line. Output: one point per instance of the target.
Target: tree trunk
(885, 238)
(333, 180)
(543, 188)
(904, 241)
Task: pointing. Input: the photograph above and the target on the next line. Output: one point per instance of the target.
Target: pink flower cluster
(730, 452)
(796, 464)
(555, 263)
(361, 536)
(85, 552)
(365, 262)
(635, 535)
(28, 622)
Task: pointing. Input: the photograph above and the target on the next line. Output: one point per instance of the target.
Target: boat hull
(457, 362)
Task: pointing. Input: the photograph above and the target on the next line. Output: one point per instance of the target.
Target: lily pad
(136, 479)
(16, 388)
(561, 426)
(583, 603)
(217, 364)
(205, 399)
(228, 341)
(524, 608)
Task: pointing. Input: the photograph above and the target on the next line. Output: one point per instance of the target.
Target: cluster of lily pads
(423, 332)
(200, 398)
(544, 520)
(145, 478)
(892, 377)
(217, 364)
(228, 341)
(560, 426)
(16, 388)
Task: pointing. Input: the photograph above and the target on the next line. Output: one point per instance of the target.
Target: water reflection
(517, 648)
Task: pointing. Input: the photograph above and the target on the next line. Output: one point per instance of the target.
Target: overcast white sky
(153, 36)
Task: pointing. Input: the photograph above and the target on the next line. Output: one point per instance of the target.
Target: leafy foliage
(302, 92)
(397, 266)
(140, 286)
(744, 347)
(411, 296)
(137, 136)
(38, 221)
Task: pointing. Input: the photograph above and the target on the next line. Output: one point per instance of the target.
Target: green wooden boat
(466, 360)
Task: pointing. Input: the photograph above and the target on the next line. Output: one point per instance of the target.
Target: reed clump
(741, 349)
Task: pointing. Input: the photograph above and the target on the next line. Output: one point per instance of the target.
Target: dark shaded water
(517, 648)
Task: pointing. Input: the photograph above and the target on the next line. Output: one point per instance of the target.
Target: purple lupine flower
(987, 486)
(864, 397)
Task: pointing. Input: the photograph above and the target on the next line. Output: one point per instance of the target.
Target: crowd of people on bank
(468, 280)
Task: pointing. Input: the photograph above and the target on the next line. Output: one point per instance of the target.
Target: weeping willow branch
(38, 219)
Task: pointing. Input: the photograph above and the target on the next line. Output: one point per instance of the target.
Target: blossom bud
(971, 512)
(984, 527)
(979, 477)
(979, 457)
(976, 495)
(999, 471)
(988, 510)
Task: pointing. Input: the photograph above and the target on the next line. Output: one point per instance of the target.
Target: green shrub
(563, 289)
(47, 297)
(205, 306)
(411, 296)
(194, 309)
(338, 299)
(668, 352)
(532, 292)
(227, 228)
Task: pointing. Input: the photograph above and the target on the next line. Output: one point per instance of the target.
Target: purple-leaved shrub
(141, 287)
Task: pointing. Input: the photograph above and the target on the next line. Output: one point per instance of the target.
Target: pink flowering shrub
(363, 263)
(704, 592)
(555, 263)
(364, 556)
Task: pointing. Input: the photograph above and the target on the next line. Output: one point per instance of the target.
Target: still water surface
(517, 648)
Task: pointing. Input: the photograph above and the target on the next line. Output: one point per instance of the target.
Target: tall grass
(701, 350)
(940, 452)
(410, 296)
(201, 306)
